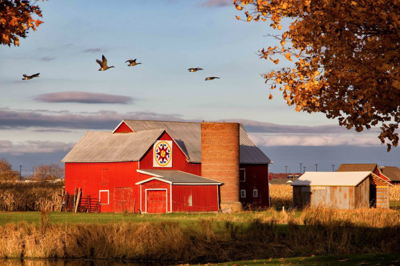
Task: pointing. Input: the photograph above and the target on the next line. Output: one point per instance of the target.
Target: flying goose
(26, 77)
(211, 78)
(132, 62)
(103, 64)
(195, 69)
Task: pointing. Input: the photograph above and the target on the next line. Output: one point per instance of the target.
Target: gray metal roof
(188, 136)
(109, 147)
(351, 179)
(175, 177)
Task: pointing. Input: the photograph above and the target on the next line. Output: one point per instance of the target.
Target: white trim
(255, 190)
(170, 195)
(244, 175)
(147, 173)
(242, 196)
(166, 197)
(151, 179)
(108, 197)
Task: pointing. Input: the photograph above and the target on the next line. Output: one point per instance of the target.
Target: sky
(41, 119)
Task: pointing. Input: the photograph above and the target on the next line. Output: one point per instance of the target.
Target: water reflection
(47, 262)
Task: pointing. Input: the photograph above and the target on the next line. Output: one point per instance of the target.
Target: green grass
(345, 260)
(182, 218)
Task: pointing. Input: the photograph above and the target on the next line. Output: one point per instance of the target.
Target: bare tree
(48, 172)
(6, 171)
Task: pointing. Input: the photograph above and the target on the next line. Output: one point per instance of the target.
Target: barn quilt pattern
(162, 153)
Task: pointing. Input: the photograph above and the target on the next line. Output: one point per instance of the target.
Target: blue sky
(41, 119)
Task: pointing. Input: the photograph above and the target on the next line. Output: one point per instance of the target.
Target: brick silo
(220, 160)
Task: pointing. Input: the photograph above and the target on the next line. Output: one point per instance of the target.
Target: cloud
(218, 3)
(316, 140)
(83, 97)
(265, 127)
(93, 50)
(33, 147)
(103, 119)
(47, 58)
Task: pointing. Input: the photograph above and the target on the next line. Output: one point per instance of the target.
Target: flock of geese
(104, 67)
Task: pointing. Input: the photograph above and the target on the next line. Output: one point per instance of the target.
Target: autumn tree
(16, 18)
(6, 171)
(346, 59)
(44, 172)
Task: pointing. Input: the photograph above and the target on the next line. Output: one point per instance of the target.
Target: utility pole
(301, 164)
(333, 167)
(20, 172)
(316, 167)
(286, 169)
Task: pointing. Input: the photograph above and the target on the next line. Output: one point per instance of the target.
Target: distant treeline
(35, 196)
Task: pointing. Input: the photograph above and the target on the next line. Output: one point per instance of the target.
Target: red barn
(157, 167)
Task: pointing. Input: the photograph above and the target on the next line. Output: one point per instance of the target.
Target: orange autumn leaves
(16, 18)
(345, 59)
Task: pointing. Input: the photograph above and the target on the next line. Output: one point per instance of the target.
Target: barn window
(104, 197)
(243, 193)
(242, 175)
(255, 193)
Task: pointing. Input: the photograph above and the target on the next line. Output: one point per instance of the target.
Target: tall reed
(29, 196)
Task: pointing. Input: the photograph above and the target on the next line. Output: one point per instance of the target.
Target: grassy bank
(212, 238)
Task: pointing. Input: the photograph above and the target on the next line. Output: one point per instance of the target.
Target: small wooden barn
(341, 190)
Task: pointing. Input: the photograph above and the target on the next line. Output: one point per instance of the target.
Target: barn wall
(179, 161)
(340, 197)
(154, 184)
(93, 177)
(204, 198)
(123, 128)
(256, 178)
(362, 194)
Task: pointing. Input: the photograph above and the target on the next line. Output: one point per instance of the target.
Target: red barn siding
(93, 177)
(123, 128)
(256, 178)
(204, 198)
(179, 161)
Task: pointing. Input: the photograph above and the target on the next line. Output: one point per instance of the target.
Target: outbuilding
(341, 190)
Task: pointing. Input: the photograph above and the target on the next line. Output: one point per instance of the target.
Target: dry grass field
(29, 196)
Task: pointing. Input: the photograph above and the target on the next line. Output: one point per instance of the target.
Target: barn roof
(392, 172)
(108, 147)
(175, 177)
(188, 136)
(351, 179)
(357, 167)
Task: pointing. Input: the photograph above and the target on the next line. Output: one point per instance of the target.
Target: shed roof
(108, 147)
(358, 167)
(188, 136)
(392, 172)
(176, 177)
(331, 179)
